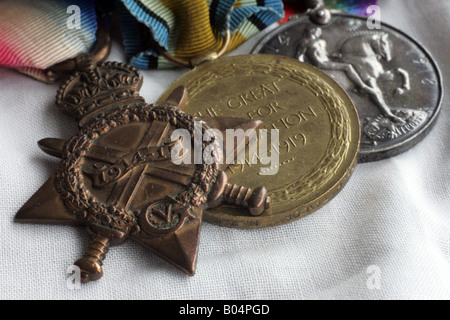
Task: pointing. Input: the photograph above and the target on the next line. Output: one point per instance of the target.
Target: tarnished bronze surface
(117, 175)
(318, 125)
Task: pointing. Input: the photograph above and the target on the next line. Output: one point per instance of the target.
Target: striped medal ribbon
(186, 29)
(357, 7)
(36, 35)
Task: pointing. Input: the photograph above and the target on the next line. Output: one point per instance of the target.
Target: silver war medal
(393, 81)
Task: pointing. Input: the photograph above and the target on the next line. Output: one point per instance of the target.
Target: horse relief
(362, 57)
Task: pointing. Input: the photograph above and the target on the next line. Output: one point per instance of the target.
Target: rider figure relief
(360, 60)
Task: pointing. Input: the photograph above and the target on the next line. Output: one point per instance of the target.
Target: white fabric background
(394, 214)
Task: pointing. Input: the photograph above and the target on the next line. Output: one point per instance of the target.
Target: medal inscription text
(261, 103)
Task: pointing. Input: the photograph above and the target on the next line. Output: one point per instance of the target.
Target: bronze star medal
(117, 176)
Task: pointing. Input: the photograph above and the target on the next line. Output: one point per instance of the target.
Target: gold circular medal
(317, 124)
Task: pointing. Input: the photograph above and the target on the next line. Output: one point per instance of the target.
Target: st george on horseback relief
(362, 57)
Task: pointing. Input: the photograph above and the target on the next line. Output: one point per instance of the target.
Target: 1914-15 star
(116, 175)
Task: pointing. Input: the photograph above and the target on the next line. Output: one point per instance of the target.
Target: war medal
(393, 81)
(317, 123)
(117, 175)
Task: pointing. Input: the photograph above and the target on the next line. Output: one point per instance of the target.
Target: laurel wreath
(70, 182)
